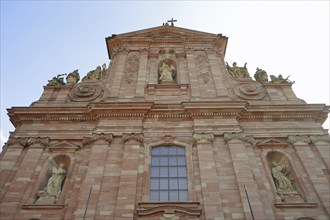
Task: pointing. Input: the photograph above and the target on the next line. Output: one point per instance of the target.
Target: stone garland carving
(96, 74)
(203, 65)
(239, 136)
(54, 184)
(203, 137)
(320, 138)
(95, 137)
(28, 141)
(299, 138)
(85, 92)
(131, 68)
(136, 136)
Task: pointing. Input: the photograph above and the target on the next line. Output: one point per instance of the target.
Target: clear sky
(40, 39)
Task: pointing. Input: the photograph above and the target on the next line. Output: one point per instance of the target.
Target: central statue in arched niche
(166, 71)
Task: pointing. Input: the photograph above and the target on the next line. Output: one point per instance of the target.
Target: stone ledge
(43, 206)
(296, 205)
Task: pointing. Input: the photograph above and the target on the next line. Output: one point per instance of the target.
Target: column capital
(239, 136)
(131, 136)
(299, 138)
(203, 137)
(319, 138)
(28, 141)
(97, 136)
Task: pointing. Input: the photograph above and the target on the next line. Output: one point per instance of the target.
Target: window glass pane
(173, 161)
(155, 161)
(181, 161)
(183, 195)
(174, 183)
(182, 172)
(163, 196)
(172, 150)
(174, 196)
(154, 184)
(180, 151)
(154, 195)
(154, 172)
(173, 171)
(163, 171)
(163, 183)
(155, 151)
(183, 183)
(163, 161)
(163, 150)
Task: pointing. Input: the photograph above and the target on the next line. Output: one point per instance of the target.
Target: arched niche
(167, 72)
(288, 189)
(53, 178)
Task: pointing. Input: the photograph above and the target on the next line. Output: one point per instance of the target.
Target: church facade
(168, 130)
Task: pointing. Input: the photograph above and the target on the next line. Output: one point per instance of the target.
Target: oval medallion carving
(85, 92)
(252, 91)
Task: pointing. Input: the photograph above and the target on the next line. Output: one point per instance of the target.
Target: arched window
(168, 174)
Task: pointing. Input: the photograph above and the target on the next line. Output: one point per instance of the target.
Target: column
(313, 168)
(193, 80)
(209, 180)
(115, 87)
(239, 154)
(99, 144)
(142, 75)
(215, 68)
(128, 180)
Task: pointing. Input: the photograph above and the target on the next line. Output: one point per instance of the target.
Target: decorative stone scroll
(250, 91)
(203, 137)
(85, 92)
(299, 138)
(95, 137)
(28, 141)
(239, 136)
(136, 136)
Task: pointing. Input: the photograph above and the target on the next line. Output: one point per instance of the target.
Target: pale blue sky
(40, 39)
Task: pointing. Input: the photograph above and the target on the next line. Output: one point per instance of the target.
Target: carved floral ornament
(95, 137)
(133, 136)
(203, 137)
(239, 136)
(308, 139)
(28, 141)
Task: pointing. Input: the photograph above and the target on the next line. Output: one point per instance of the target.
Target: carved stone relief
(85, 92)
(135, 136)
(131, 67)
(250, 90)
(203, 137)
(299, 138)
(202, 63)
(95, 137)
(239, 136)
(28, 141)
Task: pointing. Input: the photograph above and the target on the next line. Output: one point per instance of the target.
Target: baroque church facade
(168, 131)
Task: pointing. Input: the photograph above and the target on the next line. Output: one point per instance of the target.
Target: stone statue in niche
(57, 80)
(72, 78)
(238, 72)
(280, 174)
(166, 73)
(280, 79)
(54, 184)
(261, 76)
(97, 74)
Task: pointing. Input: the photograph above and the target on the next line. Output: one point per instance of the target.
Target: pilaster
(128, 179)
(142, 75)
(322, 142)
(313, 167)
(115, 88)
(241, 162)
(212, 201)
(194, 86)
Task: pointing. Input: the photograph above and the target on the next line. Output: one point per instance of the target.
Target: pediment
(164, 35)
(271, 143)
(63, 146)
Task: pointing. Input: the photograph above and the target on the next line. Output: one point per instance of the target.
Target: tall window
(168, 175)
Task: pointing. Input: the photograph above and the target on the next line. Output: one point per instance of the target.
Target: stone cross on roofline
(171, 21)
